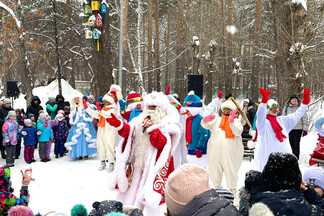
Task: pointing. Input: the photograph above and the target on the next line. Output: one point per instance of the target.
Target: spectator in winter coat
(60, 103)
(61, 131)
(29, 134)
(46, 135)
(51, 107)
(34, 107)
(249, 112)
(280, 191)
(20, 121)
(91, 100)
(300, 128)
(7, 198)
(187, 193)
(10, 132)
(5, 108)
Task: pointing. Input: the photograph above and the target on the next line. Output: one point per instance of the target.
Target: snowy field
(62, 183)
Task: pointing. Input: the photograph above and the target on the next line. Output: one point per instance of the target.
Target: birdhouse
(92, 21)
(88, 34)
(85, 20)
(98, 21)
(95, 5)
(87, 10)
(96, 34)
(104, 7)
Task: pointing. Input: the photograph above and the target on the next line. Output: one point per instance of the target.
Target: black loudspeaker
(12, 89)
(195, 83)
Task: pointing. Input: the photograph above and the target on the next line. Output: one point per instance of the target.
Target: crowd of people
(169, 158)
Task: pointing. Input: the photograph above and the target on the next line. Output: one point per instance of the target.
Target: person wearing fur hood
(144, 158)
(272, 130)
(225, 148)
(105, 145)
(82, 138)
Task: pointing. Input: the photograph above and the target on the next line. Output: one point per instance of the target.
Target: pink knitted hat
(20, 211)
(184, 184)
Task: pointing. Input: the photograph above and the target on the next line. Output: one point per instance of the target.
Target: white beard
(142, 140)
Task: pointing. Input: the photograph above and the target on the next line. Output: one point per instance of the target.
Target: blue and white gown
(82, 138)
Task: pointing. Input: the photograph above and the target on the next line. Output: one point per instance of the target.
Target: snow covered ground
(62, 183)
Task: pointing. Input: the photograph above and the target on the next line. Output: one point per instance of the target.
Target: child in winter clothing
(45, 136)
(30, 135)
(20, 121)
(60, 130)
(10, 132)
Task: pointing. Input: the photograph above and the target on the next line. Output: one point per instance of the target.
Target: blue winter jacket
(30, 138)
(199, 137)
(46, 131)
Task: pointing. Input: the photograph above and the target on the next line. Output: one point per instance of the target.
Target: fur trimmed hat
(192, 100)
(271, 102)
(184, 184)
(133, 99)
(229, 105)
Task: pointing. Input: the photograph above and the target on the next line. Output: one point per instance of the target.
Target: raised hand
(98, 106)
(198, 153)
(265, 95)
(220, 94)
(85, 105)
(306, 98)
(209, 118)
(113, 121)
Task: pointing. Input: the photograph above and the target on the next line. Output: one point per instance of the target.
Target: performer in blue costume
(82, 138)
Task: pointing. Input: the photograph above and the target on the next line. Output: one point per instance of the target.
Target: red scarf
(188, 129)
(276, 127)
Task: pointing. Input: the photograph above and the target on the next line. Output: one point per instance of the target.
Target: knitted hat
(42, 116)
(6, 101)
(79, 210)
(31, 115)
(293, 96)
(316, 173)
(108, 98)
(277, 175)
(253, 180)
(183, 184)
(193, 104)
(229, 105)
(27, 122)
(100, 99)
(192, 100)
(61, 112)
(10, 113)
(106, 207)
(20, 211)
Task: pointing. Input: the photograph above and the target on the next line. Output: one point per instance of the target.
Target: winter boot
(235, 201)
(111, 167)
(102, 165)
(56, 156)
(3, 154)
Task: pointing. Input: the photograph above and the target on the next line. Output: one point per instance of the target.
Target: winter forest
(237, 45)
